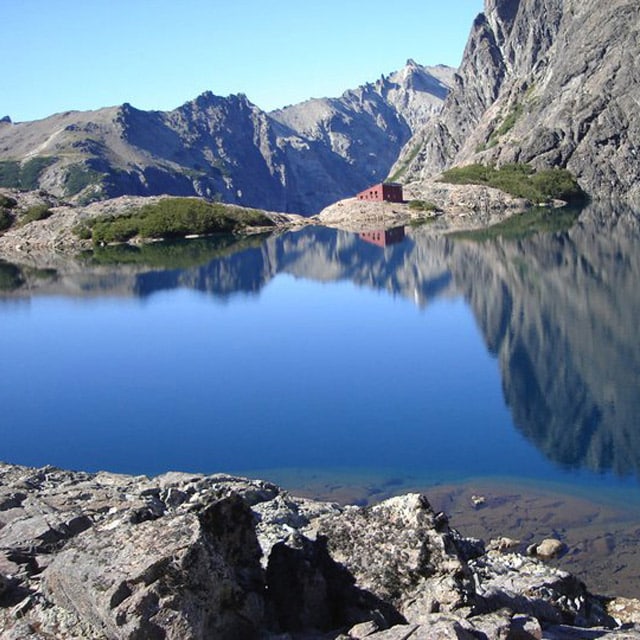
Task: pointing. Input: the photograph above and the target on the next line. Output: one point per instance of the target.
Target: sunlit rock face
(550, 82)
(296, 159)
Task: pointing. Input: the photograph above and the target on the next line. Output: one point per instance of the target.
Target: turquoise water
(430, 360)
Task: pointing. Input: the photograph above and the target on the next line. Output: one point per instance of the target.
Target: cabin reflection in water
(384, 237)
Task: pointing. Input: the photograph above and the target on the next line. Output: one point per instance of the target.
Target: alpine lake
(498, 371)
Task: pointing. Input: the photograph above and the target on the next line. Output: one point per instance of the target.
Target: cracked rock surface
(101, 555)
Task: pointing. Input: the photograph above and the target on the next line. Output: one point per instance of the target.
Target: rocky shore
(55, 232)
(190, 556)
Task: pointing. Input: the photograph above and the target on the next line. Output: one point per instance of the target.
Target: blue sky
(157, 54)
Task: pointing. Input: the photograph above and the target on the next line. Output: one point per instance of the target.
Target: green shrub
(25, 176)
(31, 170)
(6, 219)
(520, 180)
(173, 218)
(7, 202)
(37, 212)
(422, 205)
(80, 177)
(10, 174)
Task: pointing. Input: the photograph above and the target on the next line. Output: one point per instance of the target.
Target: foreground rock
(190, 556)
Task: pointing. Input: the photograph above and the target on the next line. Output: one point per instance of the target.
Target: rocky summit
(191, 556)
(553, 83)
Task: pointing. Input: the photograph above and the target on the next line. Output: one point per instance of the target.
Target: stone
(503, 544)
(624, 610)
(181, 556)
(363, 630)
(400, 551)
(549, 549)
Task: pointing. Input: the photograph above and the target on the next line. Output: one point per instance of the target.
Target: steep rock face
(297, 159)
(550, 82)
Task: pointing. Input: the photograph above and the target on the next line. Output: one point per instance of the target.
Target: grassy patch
(172, 218)
(422, 205)
(26, 175)
(7, 203)
(10, 174)
(37, 212)
(521, 225)
(520, 180)
(80, 177)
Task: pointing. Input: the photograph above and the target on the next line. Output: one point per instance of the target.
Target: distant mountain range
(297, 159)
(552, 83)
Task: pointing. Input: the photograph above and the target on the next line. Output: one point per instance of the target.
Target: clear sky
(58, 55)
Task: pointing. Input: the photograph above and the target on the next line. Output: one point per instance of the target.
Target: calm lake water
(428, 360)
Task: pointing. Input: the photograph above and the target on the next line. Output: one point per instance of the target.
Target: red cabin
(383, 192)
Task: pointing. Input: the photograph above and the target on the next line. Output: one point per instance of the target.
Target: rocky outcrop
(191, 556)
(548, 82)
(297, 159)
(55, 230)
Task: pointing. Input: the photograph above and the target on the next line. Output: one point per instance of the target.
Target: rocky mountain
(550, 82)
(297, 159)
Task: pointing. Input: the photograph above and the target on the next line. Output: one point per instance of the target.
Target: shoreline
(97, 555)
(599, 529)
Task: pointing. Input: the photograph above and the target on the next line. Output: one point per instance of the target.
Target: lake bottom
(599, 527)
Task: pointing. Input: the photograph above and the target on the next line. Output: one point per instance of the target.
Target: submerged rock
(192, 556)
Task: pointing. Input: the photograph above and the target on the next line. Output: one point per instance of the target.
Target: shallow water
(320, 357)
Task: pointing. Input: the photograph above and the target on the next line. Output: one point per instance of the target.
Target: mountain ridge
(296, 159)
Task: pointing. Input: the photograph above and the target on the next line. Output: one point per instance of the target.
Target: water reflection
(557, 307)
(384, 237)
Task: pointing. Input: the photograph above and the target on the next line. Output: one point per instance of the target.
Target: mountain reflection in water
(558, 309)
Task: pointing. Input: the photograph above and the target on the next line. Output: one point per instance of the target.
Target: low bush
(80, 177)
(173, 218)
(7, 202)
(520, 180)
(422, 205)
(23, 176)
(37, 212)
(6, 219)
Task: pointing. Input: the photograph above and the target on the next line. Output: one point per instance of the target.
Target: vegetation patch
(520, 180)
(6, 219)
(37, 212)
(14, 175)
(79, 178)
(172, 218)
(6, 202)
(422, 205)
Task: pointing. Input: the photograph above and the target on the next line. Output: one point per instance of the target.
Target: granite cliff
(297, 159)
(553, 83)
